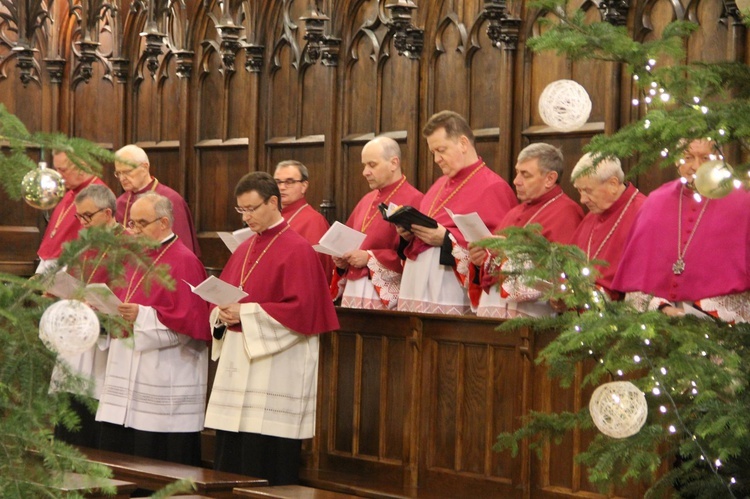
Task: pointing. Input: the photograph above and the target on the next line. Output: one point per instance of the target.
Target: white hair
(133, 154)
(606, 168)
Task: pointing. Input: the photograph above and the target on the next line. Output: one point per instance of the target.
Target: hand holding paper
(471, 226)
(218, 292)
(339, 239)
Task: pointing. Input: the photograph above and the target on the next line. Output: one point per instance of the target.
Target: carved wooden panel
(471, 391)
(278, 104)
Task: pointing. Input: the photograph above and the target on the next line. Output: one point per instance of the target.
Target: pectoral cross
(678, 267)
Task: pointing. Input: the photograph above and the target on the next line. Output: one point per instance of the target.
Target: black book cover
(405, 216)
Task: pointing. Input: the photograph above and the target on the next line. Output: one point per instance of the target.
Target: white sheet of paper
(64, 286)
(100, 296)
(218, 292)
(470, 225)
(234, 239)
(339, 239)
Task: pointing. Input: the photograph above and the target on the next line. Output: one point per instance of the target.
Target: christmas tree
(32, 462)
(693, 372)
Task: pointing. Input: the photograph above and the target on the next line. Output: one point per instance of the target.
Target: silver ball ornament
(42, 187)
(713, 179)
(69, 327)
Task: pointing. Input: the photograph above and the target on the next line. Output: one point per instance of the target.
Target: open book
(339, 239)
(218, 292)
(234, 239)
(406, 216)
(98, 295)
(471, 226)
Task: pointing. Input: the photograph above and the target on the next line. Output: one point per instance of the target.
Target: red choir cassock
(475, 188)
(284, 276)
(183, 220)
(308, 223)
(602, 236)
(382, 240)
(63, 225)
(714, 246)
(558, 215)
(434, 281)
(179, 309)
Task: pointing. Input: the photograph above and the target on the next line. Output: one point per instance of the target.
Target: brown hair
(453, 123)
(260, 182)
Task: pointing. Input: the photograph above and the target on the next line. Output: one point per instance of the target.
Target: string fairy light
(713, 466)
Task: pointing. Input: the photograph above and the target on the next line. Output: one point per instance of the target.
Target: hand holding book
(406, 216)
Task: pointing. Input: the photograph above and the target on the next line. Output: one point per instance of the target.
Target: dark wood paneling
(323, 115)
(474, 383)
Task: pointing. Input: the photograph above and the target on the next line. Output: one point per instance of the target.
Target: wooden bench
(74, 483)
(289, 492)
(151, 474)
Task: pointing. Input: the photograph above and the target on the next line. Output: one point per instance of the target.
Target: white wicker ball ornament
(564, 105)
(69, 327)
(618, 409)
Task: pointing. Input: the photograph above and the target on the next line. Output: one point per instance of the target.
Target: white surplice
(156, 379)
(267, 378)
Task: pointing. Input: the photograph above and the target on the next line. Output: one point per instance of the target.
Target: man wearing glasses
(153, 399)
(95, 207)
(63, 225)
(263, 398)
(293, 180)
(133, 172)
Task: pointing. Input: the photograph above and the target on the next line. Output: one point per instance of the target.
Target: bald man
(133, 172)
(370, 276)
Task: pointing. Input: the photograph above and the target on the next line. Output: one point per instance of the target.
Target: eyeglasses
(86, 217)
(288, 182)
(125, 173)
(251, 209)
(141, 224)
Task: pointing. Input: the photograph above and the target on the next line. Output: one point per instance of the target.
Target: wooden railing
(410, 405)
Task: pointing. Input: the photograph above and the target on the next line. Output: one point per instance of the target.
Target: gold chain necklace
(542, 208)
(129, 294)
(60, 219)
(678, 267)
(366, 222)
(611, 231)
(96, 266)
(243, 277)
(431, 213)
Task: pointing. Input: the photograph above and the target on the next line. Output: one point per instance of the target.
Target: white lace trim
(461, 255)
(512, 285)
(386, 281)
(432, 308)
(730, 308)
